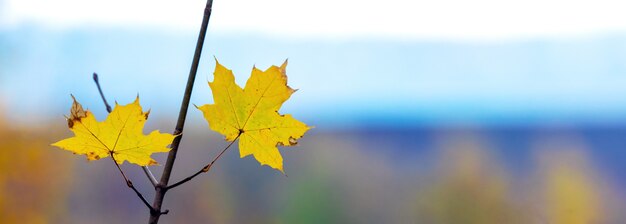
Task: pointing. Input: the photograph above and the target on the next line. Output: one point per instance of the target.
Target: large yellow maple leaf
(251, 114)
(120, 135)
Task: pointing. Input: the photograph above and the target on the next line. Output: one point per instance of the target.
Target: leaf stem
(205, 168)
(130, 185)
(145, 169)
(161, 188)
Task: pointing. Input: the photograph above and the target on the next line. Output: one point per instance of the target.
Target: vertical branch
(161, 188)
(145, 169)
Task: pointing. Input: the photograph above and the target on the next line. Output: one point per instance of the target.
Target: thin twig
(130, 184)
(205, 168)
(104, 99)
(161, 188)
(150, 176)
(145, 169)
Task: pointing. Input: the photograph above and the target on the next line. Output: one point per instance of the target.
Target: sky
(401, 62)
(394, 19)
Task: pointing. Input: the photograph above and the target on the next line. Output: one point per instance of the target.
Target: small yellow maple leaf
(251, 114)
(120, 135)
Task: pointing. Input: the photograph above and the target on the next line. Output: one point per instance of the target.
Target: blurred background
(424, 111)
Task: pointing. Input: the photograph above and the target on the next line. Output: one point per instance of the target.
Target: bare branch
(104, 99)
(146, 170)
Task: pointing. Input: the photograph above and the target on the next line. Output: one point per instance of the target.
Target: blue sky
(354, 72)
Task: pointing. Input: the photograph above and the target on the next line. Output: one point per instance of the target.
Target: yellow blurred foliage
(470, 187)
(570, 193)
(33, 178)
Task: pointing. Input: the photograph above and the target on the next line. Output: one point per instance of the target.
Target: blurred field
(419, 175)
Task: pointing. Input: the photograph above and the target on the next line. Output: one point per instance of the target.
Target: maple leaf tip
(147, 113)
(152, 162)
(254, 68)
(217, 62)
(278, 167)
(281, 169)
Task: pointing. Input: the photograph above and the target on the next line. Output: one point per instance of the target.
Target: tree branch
(205, 168)
(145, 169)
(161, 188)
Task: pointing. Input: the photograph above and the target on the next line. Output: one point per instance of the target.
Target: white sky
(448, 19)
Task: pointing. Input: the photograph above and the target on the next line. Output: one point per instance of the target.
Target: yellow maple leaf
(251, 114)
(120, 135)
